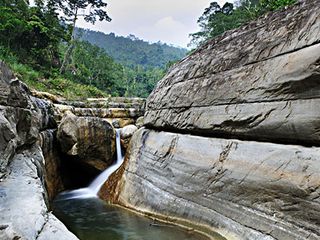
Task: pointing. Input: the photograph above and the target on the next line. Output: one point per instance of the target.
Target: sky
(168, 21)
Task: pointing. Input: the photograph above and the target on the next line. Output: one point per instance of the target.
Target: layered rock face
(252, 97)
(118, 111)
(89, 124)
(252, 81)
(23, 197)
(241, 189)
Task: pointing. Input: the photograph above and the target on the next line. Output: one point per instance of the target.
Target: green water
(92, 219)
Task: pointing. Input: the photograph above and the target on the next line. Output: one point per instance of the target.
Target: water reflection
(92, 219)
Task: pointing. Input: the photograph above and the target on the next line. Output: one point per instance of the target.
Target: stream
(89, 218)
(93, 219)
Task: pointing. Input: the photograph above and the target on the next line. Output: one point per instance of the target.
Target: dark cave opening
(76, 173)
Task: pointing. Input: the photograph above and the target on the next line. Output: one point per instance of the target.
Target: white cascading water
(94, 187)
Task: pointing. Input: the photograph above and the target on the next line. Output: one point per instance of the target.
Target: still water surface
(93, 219)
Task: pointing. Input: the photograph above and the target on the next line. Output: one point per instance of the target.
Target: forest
(46, 50)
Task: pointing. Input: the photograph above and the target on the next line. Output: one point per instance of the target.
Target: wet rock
(91, 140)
(126, 134)
(53, 167)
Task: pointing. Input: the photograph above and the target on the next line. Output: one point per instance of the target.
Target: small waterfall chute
(94, 187)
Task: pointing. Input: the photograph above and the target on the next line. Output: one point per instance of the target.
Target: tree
(92, 66)
(31, 33)
(216, 19)
(90, 10)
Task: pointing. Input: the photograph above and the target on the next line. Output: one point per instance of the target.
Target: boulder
(128, 131)
(140, 122)
(120, 122)
(258, 82)
(126, 134)
(90, 139)
(240, 189)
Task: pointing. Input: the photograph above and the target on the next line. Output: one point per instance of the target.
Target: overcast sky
(169, 21)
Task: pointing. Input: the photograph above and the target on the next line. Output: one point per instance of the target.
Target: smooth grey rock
(241, 189)
(236, 84)
(23, 210)
(128, 131)
(297, 121)
(259, 82)
(55, 230)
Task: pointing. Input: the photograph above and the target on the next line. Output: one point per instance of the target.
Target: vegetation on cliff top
(217, 19)
(47, 52)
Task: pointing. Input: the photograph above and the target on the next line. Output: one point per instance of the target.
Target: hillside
(132, 51)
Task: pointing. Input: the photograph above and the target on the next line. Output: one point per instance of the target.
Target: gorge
(227, 144)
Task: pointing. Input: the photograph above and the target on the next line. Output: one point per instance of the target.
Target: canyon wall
(231, 143)
(25, 124)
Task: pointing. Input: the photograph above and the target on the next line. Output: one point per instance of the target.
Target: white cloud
(169, 21)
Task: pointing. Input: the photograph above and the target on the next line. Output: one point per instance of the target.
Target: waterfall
(98, 181)
(94, 187)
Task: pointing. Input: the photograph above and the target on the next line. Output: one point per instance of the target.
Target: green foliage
(59, 86)
(31, 33)
(275, 4)
(92, 66)
(131, 51)
(216, 19)
(33, 40)
(140, 82)
(91, 9)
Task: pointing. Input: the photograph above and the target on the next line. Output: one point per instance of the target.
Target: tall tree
(31, 33)
(216, 19)
(90, 10)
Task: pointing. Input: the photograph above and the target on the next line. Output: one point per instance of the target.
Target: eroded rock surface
(259, 82)
(242, 189)
(252, 97)
(90, 139)
(24, 212)
(120, 112)
(53, 163)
